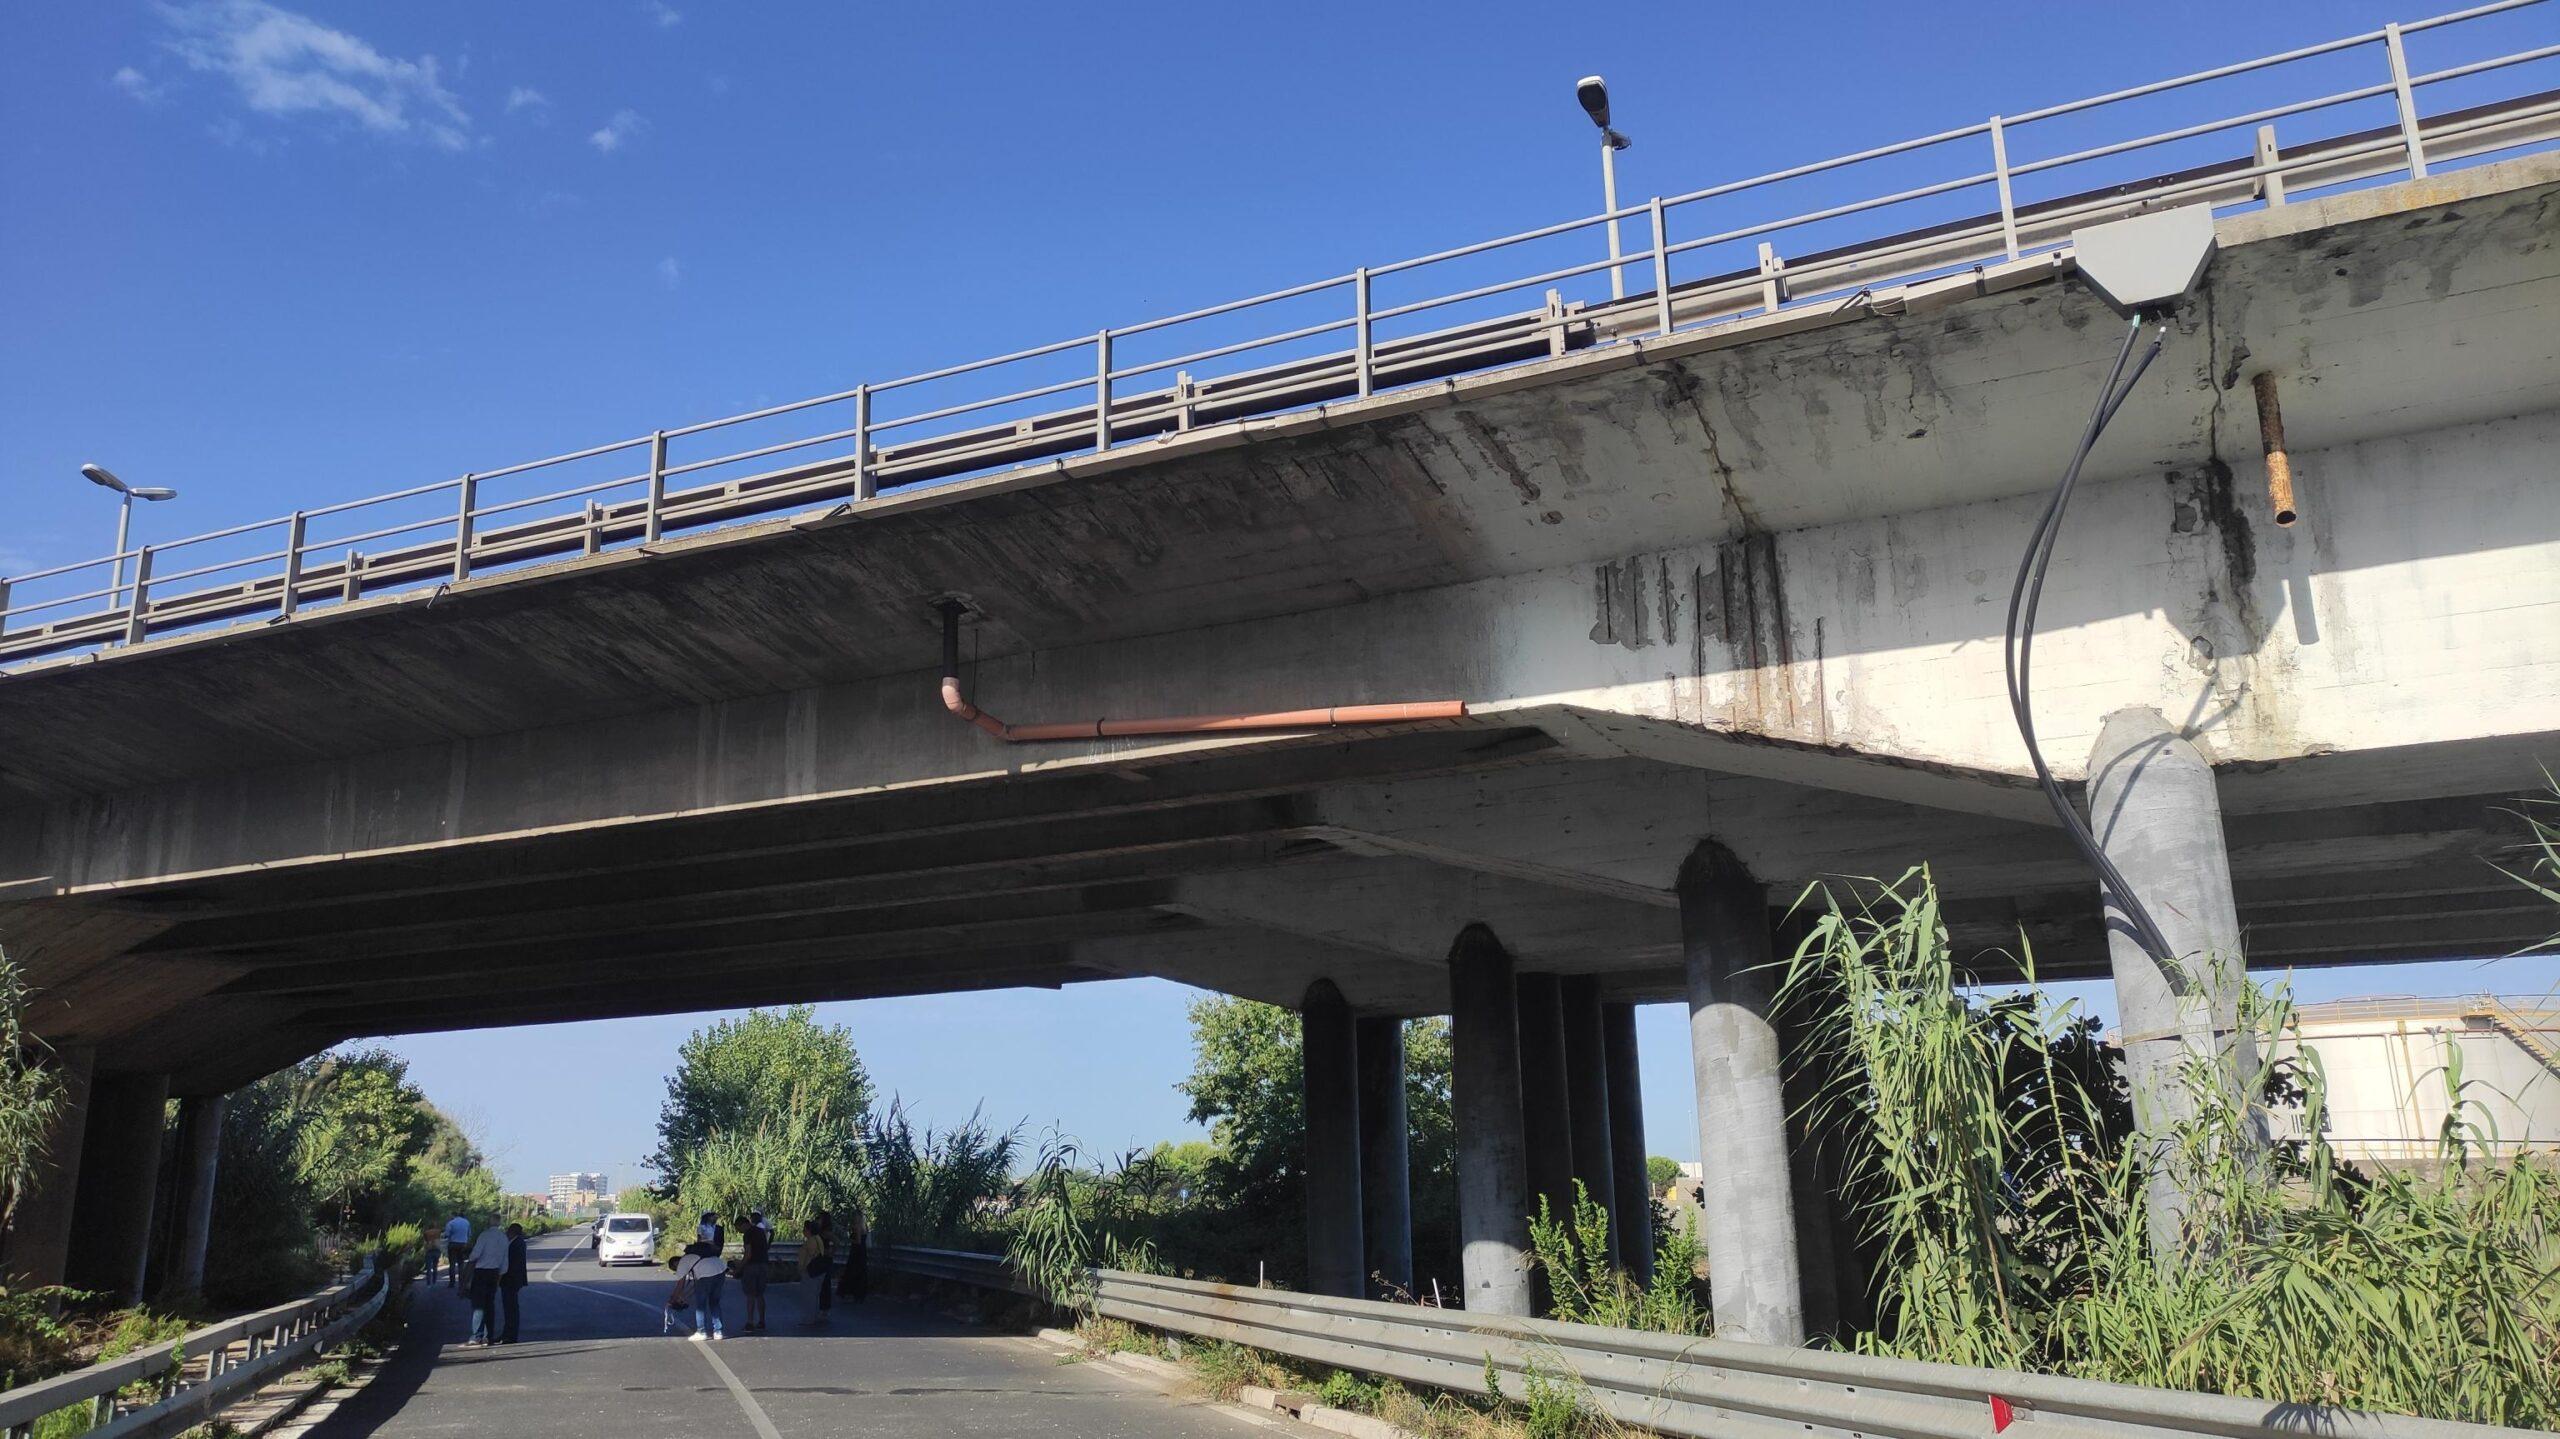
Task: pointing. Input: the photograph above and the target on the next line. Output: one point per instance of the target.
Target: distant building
(571, 1193)
(2389, 1066)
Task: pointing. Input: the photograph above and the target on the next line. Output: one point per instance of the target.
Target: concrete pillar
(1810, 1184)
(200, 1154)
(2154, 810)
(1742, 1111)
(1484, 1081)
(1586, 1085)
(1333, 1144)
(1386, 1173)
(1546, 1115)
(1631, 1219)
(119, 1179)
(40, 1230)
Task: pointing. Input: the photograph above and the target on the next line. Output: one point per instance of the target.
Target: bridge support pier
(1631, 1216)
(1742, 1110)
(1545, 1115)
(2154, 809)
(1386, 1170)
(1333, 1143)
(1493, 1179)
(200, 1152)
(119, 1180)
(40, 1234)
(1586, 1074)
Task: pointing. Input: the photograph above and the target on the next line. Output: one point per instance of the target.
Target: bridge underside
(1740, 585)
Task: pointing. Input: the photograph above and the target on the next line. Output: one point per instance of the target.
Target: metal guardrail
(188, 1380)
(1344, 336)
(1681, 1385)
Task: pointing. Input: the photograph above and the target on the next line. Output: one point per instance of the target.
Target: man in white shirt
(488, 1260)
(457, 1249)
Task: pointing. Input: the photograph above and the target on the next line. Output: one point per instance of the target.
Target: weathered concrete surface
(1743, 584)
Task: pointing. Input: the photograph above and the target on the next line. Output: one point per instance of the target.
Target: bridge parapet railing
(1683, 1385)
(171, 1387)
(2401, 102)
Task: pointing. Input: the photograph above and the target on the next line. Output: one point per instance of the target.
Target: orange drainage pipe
(1331, 717)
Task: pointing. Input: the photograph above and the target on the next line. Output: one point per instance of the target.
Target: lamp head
(101, 475)
(1593, 92)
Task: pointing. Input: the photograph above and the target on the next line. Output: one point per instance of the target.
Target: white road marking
(737, 1390)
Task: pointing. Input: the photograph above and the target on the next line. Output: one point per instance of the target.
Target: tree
(1660, 1173)
(738, 1074)
(361, 1126)
(30, 1095)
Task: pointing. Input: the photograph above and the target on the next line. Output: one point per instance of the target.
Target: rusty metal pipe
(956, 700)
(2271, 440)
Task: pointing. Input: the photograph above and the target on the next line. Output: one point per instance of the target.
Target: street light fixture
(101, 476)
(1593, 93)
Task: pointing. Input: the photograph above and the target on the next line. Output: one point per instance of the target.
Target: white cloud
(136, 85)
(670, 274)
(525, 97)
(625, 126)
(660, 13)
(287, 64)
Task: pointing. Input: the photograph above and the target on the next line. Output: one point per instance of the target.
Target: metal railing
(172, 1387)
(1977, 196)
(1676, 1384)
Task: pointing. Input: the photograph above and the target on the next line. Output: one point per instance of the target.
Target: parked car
(627, 1239)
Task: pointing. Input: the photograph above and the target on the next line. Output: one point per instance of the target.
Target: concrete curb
(1255, 1402)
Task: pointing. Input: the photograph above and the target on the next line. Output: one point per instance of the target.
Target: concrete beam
(1586, 1075)
(119, 1180)
(1329, 1054)
(2153, 809)
(1742, 1111)
(1632, 1219)
(1386, 1164)
(1493, 1176)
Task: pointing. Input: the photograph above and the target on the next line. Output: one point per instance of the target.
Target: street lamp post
(102, 476)
(1593, 92)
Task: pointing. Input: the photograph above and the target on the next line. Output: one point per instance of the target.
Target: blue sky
(282, 256)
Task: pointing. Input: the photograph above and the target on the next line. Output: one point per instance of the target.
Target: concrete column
(1333, 1144)
(119, 1179)
(1586, 1083)
(1631, 1219)
(1546, 1115)
(1742, 1111)
(1484, 1081)
(1386, 1173)
(2154, 810)
(40, 1231)
(200, 1152)
(1810, 1184)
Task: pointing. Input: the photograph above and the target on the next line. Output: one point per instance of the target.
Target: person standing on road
(817, 1258)
(512, 1282)
(488, 1261)
(754, 1267)
(457, 1249)
(709, 1232)
(701, 1277)
(853, 1271)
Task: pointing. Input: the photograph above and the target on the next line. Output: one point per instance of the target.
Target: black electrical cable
(2026, 594)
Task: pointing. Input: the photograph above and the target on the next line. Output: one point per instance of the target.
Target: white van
(627, 1239)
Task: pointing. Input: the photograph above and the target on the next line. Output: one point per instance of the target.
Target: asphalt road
(592, 1362)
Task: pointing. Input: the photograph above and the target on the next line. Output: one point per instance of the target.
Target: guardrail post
(2408, 102)
(4, 606)
(2271, 181)
(865, 484)
(1102, 391)
(1183, 390)
(292, 564)
(1661, 269)
(133, 623)
(2000, 173)
(1773, 287)
(351, 578)
(470, 486)
(651, 526)
(594, 537)
(1360, 353)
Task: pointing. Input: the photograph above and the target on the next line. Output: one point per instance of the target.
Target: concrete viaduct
(1702, 618)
